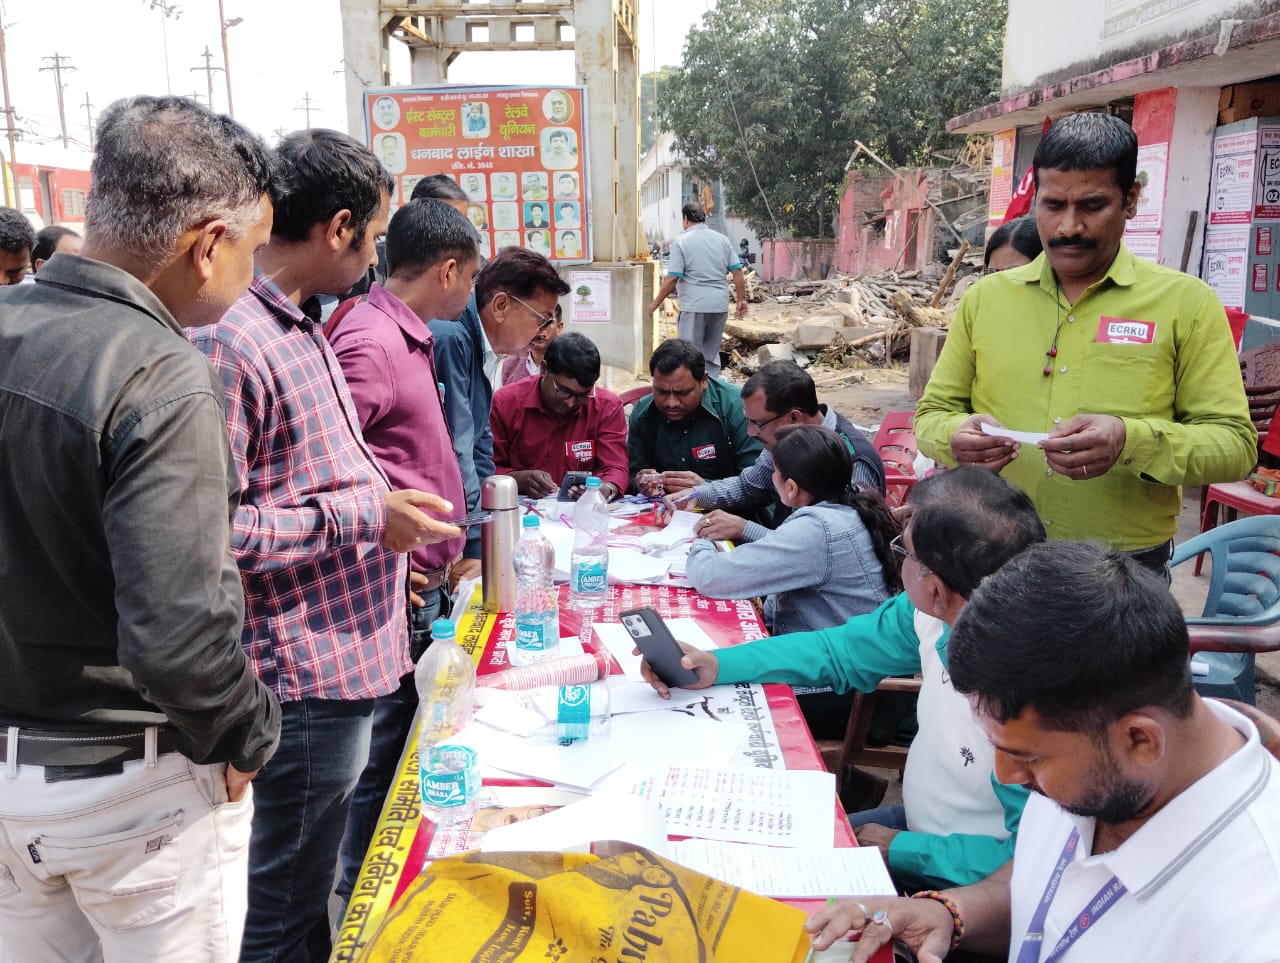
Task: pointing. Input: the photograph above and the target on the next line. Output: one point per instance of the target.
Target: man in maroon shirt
(560, 422)
(387, 355)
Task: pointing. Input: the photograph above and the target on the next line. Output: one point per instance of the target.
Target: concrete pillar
(628, 169)
(364, 52)
(596, 64)
(1190, 158)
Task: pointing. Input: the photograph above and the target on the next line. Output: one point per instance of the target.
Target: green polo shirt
(714, 442)
(1173, 378)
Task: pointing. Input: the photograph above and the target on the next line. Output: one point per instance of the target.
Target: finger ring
(1085, 471)
(1066, 450)
(866, 916)
(882, 918)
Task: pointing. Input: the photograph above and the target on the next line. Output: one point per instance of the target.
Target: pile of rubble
(844, 321)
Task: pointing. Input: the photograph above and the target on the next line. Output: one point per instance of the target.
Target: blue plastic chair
(1242, 610)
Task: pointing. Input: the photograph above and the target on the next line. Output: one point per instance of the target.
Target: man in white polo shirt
(1151, 831)
(699, 260)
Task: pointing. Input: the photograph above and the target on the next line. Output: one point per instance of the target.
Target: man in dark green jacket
(691, 429)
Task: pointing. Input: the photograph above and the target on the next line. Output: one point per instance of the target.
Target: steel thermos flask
(498, 494)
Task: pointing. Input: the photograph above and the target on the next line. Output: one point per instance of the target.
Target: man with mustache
(1129, 367)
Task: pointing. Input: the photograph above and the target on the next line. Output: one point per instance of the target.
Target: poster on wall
(1003, 146)
(519, 154)
(589, 294)
(1231, 186)
(1266, 202)
(1153, 169)
(1226, 257)
(1121, 16)
(1143, 244)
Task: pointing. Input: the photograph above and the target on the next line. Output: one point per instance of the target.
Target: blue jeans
(300, 810)
(891, 817)
(392, 722)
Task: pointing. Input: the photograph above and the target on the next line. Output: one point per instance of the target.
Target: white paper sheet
(679, 529)
(795, 873)
(630, 567)
(574, 828)
(626, 697)
(788, 808)
(1026, 437)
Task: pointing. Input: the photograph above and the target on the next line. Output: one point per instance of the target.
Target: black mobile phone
(571, 480)
(475, 518)
(658, 645)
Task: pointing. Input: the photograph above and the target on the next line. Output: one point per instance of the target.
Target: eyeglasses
(759, 425)
(568, 393)
(899, 548)
(544, 320)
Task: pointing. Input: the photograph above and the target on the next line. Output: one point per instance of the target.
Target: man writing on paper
(1151, 832)
(559, 422)
(957, 822)
(1128, 366)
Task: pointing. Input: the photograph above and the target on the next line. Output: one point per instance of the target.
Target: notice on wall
(1003, 146)
(519, 153)
(1153, 170)
(1262, 240)
(1259, 277)
(1122, 16)
(1226, 256)
(1266, 202)
(589, 294)
(1231, 186)
(1143, 244)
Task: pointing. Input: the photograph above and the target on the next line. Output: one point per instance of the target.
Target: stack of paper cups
(574, 670)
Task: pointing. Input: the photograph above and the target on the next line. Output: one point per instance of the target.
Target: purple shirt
(325, 608)
(387, 355)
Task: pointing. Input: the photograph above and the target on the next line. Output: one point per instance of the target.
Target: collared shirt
(462, 353)
(121, 603)
(592, 437)
(324, 601)
(1202, 875)
(1171, 373)
(387, 357)
(712, 442)
(700, 258)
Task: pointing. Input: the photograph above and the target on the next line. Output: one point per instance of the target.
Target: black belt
(435, 578)
(79, 755)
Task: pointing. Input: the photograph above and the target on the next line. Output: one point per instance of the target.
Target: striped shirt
(324, 602)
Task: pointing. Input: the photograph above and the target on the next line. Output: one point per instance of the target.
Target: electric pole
(57, 64)
(168, 11)
(209, 70)
(306, 107)
(226, 57)
(10, 130)
(88, 117)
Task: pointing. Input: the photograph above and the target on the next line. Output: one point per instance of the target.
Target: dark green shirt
(714, 442)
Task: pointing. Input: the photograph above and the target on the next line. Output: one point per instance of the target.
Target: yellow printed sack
(629, 907)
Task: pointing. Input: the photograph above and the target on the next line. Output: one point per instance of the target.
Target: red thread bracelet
(957, 921)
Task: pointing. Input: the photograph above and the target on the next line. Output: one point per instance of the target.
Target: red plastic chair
(632, 395)
(895, 442)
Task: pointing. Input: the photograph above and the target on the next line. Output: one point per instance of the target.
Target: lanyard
(1103, 900)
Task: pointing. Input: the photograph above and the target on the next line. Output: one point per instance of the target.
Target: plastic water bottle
(552, 714)
(589, 564)
(448, 771)
(537, 615)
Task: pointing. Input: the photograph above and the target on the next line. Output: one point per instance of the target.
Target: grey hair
(166, 164)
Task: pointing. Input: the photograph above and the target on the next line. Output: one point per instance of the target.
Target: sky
(283, 52)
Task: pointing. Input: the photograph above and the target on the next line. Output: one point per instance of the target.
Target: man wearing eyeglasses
(514, 301)
(559, 422)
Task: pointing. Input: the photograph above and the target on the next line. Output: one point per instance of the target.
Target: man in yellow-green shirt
(1129, 367)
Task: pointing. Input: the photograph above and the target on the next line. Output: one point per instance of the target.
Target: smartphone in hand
(479, 517)
(658, 645)
(572, 479)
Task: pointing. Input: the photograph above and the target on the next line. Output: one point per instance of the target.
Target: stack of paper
(681, 528)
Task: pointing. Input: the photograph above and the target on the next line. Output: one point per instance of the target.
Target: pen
(808, 958)
(691, 494)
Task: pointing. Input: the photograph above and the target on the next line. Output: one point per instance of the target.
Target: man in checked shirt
(319, 534)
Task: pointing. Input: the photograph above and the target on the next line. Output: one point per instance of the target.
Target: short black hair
(693, 212)
(1021, 234)
(1078, 632)
(1089, 141)
(574, 355)
(786, 386)
(425, 232)
(969, 522)
(47, 239)
(442, 187)
(322, 172)
(16, 232)
(519, 272)
(676, 353)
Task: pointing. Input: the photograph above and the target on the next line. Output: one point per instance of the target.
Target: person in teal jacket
(958, 822)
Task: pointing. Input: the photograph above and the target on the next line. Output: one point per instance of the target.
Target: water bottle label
(591, 578)
(573, 713)
(448, 780)
(534, 636)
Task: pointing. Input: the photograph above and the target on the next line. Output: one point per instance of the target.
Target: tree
(773, 93)
(652, 91)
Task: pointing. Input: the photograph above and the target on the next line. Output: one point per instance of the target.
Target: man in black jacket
(134, 720)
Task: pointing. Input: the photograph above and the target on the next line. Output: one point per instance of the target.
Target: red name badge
(580, 451)
(1125, 331)
(704, 453)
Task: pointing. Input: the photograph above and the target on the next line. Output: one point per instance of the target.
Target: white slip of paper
(1026, 437)
(786, 808)
(794, 873)
(574, 828)
(680, 528)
